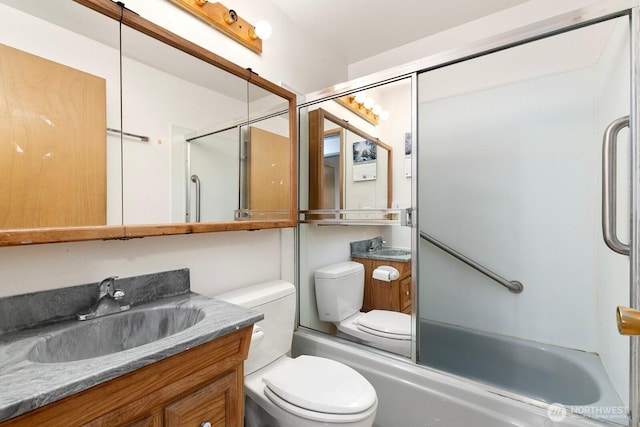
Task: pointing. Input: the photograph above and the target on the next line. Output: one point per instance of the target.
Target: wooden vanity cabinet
(200, 385)
(381, 295)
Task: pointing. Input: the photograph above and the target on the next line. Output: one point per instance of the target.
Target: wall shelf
(357, 217)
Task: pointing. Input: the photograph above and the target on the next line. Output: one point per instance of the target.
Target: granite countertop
(26, 385)
(404, 257)
(375, 249)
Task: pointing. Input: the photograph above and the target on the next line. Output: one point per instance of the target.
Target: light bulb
(384, 115)
(359, 97)
(376, 110)
(263, 29)
(368, 103)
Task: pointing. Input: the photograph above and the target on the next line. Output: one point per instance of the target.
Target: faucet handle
(106, 286)
(118, 294)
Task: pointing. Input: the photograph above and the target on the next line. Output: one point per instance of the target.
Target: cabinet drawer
(208, 404)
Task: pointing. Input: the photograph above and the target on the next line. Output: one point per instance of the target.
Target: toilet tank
(271, 336)
(339, 290)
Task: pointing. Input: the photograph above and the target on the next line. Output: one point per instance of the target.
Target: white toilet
(339, 296)
(305, 391)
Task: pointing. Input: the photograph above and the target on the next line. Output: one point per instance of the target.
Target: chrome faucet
(375, 244)
(109, 300)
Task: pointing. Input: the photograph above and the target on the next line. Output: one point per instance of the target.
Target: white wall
(289, 56)
(218, 262)
(509, 19)
(396, 98)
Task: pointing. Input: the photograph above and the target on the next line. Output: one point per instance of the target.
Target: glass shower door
(212, 159)
(510, 170)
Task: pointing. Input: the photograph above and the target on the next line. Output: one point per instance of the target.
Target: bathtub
(413, 395)
(548, 373)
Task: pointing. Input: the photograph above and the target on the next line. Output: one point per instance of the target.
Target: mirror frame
(317, 133)
(16, 237)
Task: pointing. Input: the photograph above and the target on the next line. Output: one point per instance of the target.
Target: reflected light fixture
(364, 107)
(229, 22)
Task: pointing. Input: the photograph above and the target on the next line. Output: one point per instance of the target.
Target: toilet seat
(387, 324)
(306, 387)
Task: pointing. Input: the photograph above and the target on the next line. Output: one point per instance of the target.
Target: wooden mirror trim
(112, 10)
(316, 154)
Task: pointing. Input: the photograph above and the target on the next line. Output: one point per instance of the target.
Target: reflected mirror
(182, 119)
(60, 166)
(348, 168)
(266, 161)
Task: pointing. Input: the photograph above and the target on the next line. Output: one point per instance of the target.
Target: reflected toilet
(340, 294)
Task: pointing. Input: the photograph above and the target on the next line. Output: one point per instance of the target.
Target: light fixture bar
(225, 20)
(349, 102)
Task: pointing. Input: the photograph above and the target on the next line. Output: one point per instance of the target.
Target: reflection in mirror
(349, 169)
(200, 160)
(60, 167)
(130, 168)
(213, 176)
(190, 111)
(329, 143)
(266, 161)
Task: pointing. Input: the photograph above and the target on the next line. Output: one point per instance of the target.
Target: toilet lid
(321, 385)
(386, 323)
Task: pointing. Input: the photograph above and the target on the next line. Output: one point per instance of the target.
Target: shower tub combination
(502, 371)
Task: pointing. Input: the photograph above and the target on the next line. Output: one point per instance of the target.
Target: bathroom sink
(392, 252)
(114, 333)
(386, 254)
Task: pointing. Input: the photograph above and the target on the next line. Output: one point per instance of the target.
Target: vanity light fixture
(364, 107)
(229, 22)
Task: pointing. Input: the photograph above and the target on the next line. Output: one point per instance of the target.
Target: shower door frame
(563, 23)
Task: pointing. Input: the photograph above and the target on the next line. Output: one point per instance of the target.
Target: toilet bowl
(303, 392)
(383, 329)
(339, 295)
(306, 391)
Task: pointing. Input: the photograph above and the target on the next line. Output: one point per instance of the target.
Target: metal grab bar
(609, 199)
(513, 285)
(130, 135)
(194, 178)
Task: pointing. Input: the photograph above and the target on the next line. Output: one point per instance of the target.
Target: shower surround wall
(517, 188)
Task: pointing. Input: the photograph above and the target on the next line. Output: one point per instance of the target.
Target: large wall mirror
(116, 131)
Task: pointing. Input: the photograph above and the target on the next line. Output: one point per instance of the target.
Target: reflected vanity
(140, 182)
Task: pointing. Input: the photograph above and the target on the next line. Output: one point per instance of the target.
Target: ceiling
(358, 29)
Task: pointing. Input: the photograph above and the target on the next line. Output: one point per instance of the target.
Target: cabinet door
(381, 295)
(211, 404)
(405, 295)
(53, 151)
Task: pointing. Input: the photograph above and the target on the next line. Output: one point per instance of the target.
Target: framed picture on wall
(364, 161)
